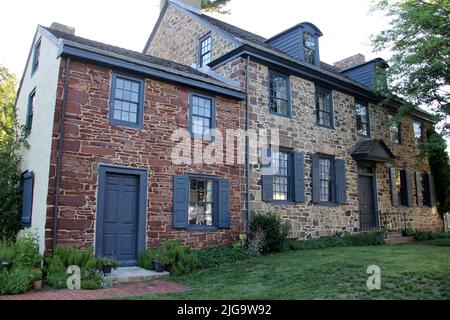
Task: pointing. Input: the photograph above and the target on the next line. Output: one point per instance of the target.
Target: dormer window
(300, 42)
(309, 48)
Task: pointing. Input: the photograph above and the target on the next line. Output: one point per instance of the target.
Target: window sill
(287, 116)
(327, 204)
(202, 229)
(126, 124)
(326, 127)
(283, 202)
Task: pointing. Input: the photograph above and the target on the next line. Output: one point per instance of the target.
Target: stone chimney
(350, 62)
(196, 4)
(62, 28)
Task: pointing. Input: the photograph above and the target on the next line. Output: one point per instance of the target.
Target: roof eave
(151, 70)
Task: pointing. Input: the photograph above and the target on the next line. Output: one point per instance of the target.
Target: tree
(215, 6)
(440, 167)
(12, 141)
(419, 40)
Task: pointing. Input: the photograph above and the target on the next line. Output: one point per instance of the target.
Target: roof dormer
(300, 42)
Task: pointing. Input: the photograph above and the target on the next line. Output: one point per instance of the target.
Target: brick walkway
(120, 290)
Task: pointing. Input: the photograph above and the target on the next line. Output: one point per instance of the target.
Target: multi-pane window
(202, 116)
(127, 101)
(326, 179)
(394, 130)
(309, 48)
(281, 178)
(201, 200)
(400, 182)
(417, 132)
(362, 120)
(31, 106)
(205, 51)
(36, 56)
(279, 94)
(324, 107)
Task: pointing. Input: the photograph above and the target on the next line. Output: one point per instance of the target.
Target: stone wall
(301, 133)
(90, 140)
(177, 39)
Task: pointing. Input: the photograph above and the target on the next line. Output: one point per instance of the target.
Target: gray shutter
(223, 204)
(180, 201)
(315, 179)
(341, 182)
(393, 186)
(409, 196)
(266, 180)
(299, 177)
(419, 190)
(27, 198)
(432, 190)
(267, 188)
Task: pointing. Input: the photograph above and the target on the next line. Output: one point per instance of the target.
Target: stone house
(345, 166)
(106, 125)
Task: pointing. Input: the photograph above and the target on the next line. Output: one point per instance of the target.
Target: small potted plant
(36, 277)
(161, 261)
(108, 264)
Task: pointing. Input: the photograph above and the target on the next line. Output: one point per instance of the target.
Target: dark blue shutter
(27, 198)
(432, 190)
(267, 188)
(180, 202)
(315, 179)
(299, 177)
(266, 180)
(223, 204)
(393, 179)
(341, 182)
(408, 188)
(419, 190)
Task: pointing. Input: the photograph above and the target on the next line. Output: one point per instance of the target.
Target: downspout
(247, 143)
(59, 157)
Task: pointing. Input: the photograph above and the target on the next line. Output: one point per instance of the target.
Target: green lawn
(419, 271)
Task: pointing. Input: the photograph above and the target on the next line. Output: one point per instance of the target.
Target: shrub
(274, 229)
(16, 281)
(422, 236)
(36, 274)
(8, 251)
(180, 259)
(255, 245)
(56, 265)
(91, 279)
(147, 259)
(58, 280)
(363, 239)
(28, 252)
(211, 257)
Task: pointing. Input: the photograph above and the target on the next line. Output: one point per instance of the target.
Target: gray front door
(366, 198)
(120, 218)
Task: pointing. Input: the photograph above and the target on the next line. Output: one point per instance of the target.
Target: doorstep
(136, 274)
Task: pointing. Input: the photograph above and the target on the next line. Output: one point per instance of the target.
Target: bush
(216, 256)
(91, 280)
(363, 239)
(180, 259)
(16, 281)
(58, 280)
(8, 252)
(423, 236)
(56, 265)
(147, 259)
(274, 229)
(28, 252)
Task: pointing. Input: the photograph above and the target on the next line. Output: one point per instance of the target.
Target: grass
(417, 271)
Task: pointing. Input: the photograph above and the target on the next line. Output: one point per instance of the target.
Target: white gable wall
(37, 157)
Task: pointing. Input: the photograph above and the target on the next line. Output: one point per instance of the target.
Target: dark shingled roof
(131, 54)
(258, 40)
(372, 150)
